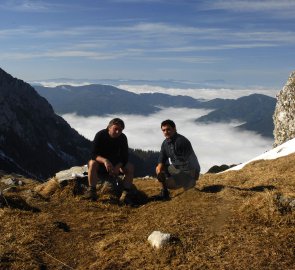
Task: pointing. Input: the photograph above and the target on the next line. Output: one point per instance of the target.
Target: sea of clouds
(214, 143)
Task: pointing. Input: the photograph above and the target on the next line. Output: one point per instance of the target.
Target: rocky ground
(235, 220)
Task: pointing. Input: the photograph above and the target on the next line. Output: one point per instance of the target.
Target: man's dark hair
(168, 122)
(116, 121)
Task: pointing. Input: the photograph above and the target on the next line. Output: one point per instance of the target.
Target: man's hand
(117, 169)
(160, 168)
(109, 167)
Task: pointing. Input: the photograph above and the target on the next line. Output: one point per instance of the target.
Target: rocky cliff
(284, 115)
(34, 141)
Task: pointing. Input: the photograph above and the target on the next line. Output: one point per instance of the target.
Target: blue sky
(246, 43)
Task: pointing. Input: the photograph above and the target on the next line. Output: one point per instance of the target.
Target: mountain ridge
(34, 140)
(255, 110)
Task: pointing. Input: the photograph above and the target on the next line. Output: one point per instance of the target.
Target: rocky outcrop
(284, 116)
(34, 141)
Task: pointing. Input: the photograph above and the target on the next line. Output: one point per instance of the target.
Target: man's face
(168, 131)
(115, 131)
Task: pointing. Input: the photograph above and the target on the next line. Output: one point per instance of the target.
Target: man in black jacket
(110, 157)
(178, 165)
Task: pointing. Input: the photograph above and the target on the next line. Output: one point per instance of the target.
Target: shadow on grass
(15, 202)
(218, 188)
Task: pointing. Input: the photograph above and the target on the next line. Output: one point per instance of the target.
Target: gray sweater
(179, 152)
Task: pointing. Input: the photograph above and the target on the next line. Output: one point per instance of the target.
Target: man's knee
(171, 183)
(93, 165)
(128, 169)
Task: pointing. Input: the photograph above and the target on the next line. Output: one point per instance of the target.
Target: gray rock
(9, 181)
(284, 203)
(284, 115)
(12, 182)
(72, 173)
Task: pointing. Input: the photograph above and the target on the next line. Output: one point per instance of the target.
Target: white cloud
(214, 144)
(282, 9)
(250, 5)
(27, 5)
(215, 47)
(167, 36)
(162, 43)
(203, 93)
(185, 59)
(55, 84)
(63, 54)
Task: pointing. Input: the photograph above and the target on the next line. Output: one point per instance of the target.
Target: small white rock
(157, 239)
(78, 175)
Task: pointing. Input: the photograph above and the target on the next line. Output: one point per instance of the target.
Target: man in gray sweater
(178, 165)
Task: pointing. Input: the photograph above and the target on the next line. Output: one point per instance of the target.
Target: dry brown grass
(229, 221)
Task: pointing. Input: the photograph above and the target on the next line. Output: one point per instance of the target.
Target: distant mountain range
(254, 111)
(94, 100)
(181, 84)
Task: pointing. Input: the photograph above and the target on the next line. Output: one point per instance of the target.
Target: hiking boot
(128, 197)
(90, 194)
(163, 196)
(123, 196)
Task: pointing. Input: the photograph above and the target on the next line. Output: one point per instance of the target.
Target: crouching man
(178, 165)
(110, 157)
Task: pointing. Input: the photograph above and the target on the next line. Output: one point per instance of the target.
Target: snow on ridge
(279, 151)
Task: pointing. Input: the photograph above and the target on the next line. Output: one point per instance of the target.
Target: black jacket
(114, 149)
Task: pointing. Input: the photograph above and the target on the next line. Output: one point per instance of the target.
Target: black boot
(129, 197)
(90, 194)
(164, 194)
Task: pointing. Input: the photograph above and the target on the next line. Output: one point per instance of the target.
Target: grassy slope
(229, 221)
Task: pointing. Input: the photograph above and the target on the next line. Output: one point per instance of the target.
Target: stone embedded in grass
(285, 204)
(9, 181)
(157, 239)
